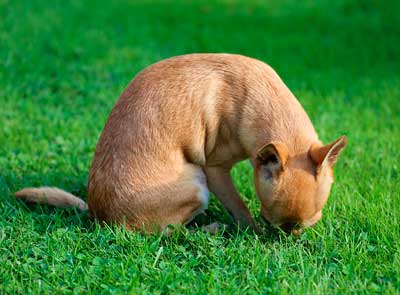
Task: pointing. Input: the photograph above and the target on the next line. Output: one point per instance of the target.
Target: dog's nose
(288, 227)
(291, 227)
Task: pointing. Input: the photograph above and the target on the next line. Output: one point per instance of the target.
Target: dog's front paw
(214, 228)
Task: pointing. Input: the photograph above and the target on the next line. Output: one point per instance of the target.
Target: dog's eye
(267, 173)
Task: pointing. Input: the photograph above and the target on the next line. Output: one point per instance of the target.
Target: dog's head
(293, 189)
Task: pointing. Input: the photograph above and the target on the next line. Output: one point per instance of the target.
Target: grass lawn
(63, 65)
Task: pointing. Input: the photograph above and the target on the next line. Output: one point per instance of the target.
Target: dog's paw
(214, 228)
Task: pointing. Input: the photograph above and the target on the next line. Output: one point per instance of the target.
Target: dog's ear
(272, 158)
(328, 154)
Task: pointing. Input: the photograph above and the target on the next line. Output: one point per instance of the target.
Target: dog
(177, 130)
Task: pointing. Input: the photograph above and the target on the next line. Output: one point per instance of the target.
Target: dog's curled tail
(52, 196)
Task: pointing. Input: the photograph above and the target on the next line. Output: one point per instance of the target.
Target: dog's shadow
(218, 214)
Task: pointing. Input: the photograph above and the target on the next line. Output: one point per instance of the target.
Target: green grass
(63, 65)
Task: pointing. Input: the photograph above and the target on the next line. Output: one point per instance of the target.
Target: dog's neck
(280, 119)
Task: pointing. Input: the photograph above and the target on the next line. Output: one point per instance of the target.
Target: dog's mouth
(288, 227)
(291, 228)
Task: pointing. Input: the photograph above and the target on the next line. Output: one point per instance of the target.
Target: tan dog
(177, 130)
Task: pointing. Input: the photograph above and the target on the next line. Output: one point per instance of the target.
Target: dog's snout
(291, 228)
(288, 227)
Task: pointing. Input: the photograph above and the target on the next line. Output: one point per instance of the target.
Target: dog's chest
(227, 149)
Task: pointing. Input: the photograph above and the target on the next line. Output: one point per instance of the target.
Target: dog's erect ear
(328, 154)
(272, 158)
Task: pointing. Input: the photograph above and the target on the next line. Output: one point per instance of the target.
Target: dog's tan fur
(180, 126)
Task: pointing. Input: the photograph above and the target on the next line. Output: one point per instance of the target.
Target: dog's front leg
(220, 183)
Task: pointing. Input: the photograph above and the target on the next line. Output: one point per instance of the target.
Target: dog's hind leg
(175, 200)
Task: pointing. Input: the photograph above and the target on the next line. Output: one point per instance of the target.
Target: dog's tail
(52, 196)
